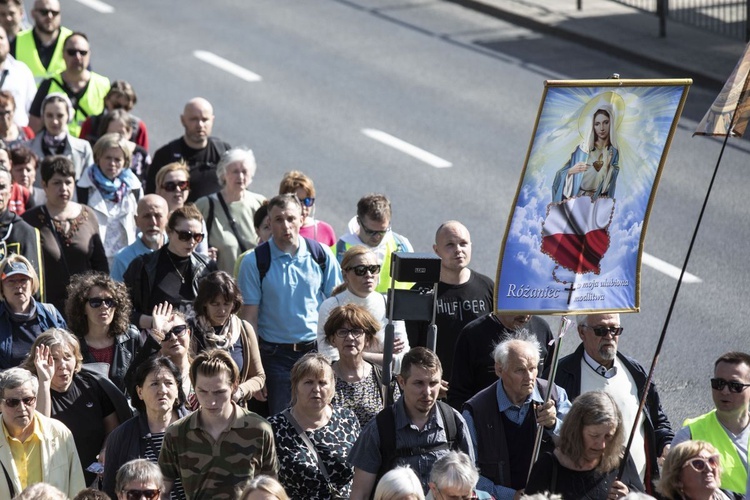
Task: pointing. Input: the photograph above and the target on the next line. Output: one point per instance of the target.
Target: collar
(276, 252)
(402, 418)
(600, 369)
(195, 423)
(504, 403)
(37, 433)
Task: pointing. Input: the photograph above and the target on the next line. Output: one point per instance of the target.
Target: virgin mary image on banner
(575, 235)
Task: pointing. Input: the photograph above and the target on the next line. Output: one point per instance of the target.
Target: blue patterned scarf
(113, 190)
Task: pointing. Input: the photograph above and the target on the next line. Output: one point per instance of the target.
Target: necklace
(182, 278)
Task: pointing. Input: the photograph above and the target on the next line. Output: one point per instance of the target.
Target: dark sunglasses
(370, 232)
(138, 494)
(699, 464)
(176, 332)
(13, 402)
(47, 12)
(187, 235)
(171, 186)
(97, 302)
(718, 384)
(342, 333)
(75, 52)
(308, 202)
(602, 331)
(362, 269)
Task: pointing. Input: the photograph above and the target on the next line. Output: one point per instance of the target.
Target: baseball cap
(13, 268)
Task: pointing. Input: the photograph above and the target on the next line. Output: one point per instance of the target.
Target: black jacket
(126, 346)
(658, 431)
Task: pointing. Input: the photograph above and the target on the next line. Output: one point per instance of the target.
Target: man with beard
(597, 366)
(473, 365)
(151, 221)
(16, 235)
(85, 89)
(41, 47)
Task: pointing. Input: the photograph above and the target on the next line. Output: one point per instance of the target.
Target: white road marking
(228, 66)
(668, 269)
(97, 6)
(405, 147)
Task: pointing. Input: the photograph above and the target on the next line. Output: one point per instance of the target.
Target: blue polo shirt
(293, 289)
(124, 257)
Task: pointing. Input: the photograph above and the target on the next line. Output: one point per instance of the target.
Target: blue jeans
(277, 363)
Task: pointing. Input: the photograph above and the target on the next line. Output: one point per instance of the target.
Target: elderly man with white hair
(503, 418)
(33, 448)
(229, 212)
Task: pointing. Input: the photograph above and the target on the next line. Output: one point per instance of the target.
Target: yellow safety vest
(27, 52)
(707, 428)
(91, 102)
(384, 283)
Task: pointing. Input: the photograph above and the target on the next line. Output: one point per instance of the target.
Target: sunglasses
(718, 384)
(176, 332)
(187, 235)
(138, 494)
(47, 12)
(13, 402)
(362, 269)
(370, 232)
(342, 333)
(308, 202)
(602, 331)
(75, 52)
(699, 464)
(97, 302)
(171, 186)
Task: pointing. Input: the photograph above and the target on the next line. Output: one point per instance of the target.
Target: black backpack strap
(210, 218)
(386, 421)
(232, 222)
(451, 426)
(377, 374)
(263, 260)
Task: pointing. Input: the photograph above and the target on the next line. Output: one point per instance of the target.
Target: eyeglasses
(362, 269)
(602, 331)
(171, 186)
(13, 402)
(138, 494)
(370, 232)
(75, 52)
(342, 333)
(308, 202)
(97, 302)
(699, 464)
(47, 12)
(177, 332)
(718, 384)
(187, 235)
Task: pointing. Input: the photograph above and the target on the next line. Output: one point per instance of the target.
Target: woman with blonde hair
(692, 470)
(264, 488)
(300, 185)
(588, 454)
(400, 483)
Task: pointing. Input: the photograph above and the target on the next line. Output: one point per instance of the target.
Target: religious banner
(575, 234)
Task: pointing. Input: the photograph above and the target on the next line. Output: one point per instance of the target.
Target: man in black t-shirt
(463, 295)
(196, 148)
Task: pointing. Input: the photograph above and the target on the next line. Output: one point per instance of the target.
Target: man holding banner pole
(597, 365)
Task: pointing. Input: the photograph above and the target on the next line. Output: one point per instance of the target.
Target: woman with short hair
(313, 438)
(138, 479)
(692, 470)
(229, 212)
(11, 134)
(400, 483)
(588, 454)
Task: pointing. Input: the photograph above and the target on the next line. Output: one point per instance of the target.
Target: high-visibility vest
(707, 428)
(393, 244)
(27, 52)
(91, 102)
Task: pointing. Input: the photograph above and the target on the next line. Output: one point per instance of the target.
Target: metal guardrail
(725, 17)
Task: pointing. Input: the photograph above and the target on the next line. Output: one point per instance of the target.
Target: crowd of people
(167, 333)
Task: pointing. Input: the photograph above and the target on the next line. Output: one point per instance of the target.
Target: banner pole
(654, 362)
(550, 379)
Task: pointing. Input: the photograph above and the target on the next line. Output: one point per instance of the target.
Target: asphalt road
(465, 88)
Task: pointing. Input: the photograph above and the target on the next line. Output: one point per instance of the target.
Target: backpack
(386, 422)
(263, 257)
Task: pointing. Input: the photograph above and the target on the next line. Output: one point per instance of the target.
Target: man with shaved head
(41, 48)
(196, 148)
(151, 221)
(463, 295)
(597, 365)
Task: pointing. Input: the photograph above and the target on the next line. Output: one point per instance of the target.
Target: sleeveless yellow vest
(26, 52)
(384, 282)
(707, 428)
(90, 104)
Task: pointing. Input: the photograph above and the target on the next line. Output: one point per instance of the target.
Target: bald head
(151, 219)
(453, 246)
(198, 120)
